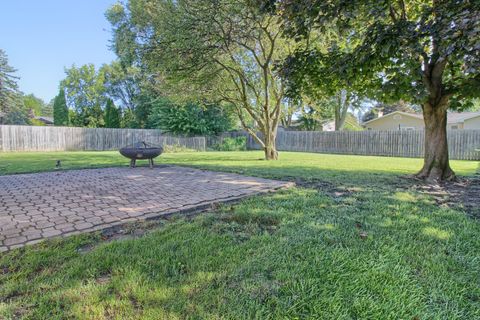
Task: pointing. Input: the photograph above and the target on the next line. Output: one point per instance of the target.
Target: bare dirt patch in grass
(463, 194)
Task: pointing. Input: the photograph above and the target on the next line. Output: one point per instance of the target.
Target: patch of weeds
(242, 225)
(261, 289)
(6, 270)
(103, 279)
(126, 231)
(264, 221)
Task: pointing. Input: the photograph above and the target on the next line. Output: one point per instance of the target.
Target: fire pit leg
(132, 163)
(150, 162)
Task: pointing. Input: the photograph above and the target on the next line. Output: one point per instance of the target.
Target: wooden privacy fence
(31, 138)
(462, 144)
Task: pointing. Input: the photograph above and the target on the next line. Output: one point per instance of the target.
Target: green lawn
(291, 164)
(353, 242)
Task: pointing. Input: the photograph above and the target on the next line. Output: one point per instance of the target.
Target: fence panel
(33, 138)
(463, 144)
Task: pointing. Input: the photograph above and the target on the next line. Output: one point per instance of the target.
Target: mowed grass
(355, 242)
(291, 164)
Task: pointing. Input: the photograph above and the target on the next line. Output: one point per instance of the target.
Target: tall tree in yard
(112, 115)
(12, 109)
(85, 94)
(425, 52)
(8, 83)
(122, 83)
(60, 110)
(212, 50)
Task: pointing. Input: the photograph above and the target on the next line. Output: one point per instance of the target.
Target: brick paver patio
(44, 205)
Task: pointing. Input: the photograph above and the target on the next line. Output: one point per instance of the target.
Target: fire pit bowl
(141, 151)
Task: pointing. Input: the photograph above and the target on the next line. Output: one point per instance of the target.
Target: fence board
(33, 138)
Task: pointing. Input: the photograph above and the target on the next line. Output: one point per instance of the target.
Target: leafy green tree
(36, 105)
(145, 102)
(60, 110)
(423, 52)
(85, 94)
(8, 84)
(122, 83)
(12, 109)
(320, 109)
(351, 123)
(190, 119)
(213, 50)
(341, 103)
(112, 115)
(475, 105)
(129, 120)
(16, 116)
(289, 109)
(47, 109)
(125, 81)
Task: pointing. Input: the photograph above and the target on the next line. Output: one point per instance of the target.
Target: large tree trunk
(436, 165)
(270, 147)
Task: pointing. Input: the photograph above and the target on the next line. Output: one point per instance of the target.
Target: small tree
(112, 115)
(60, 110)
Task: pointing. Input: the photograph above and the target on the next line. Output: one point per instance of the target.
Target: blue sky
(42, 37)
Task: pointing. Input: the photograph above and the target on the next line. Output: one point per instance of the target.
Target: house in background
(463, 120)
(48, 121)
(328, 125)
(399, 120)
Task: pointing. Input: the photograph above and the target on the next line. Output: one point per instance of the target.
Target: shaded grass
(376, 251)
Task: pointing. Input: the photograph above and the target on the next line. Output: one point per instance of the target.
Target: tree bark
(436, 165)
(270, 147)
(341, 110)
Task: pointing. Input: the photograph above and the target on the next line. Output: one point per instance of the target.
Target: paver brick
(43, 205)
(14, 240)
(51, 232)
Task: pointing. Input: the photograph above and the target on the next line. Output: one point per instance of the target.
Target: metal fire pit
(141, 151)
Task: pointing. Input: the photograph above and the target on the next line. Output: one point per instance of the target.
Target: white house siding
(472, 123)
(396, 122)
